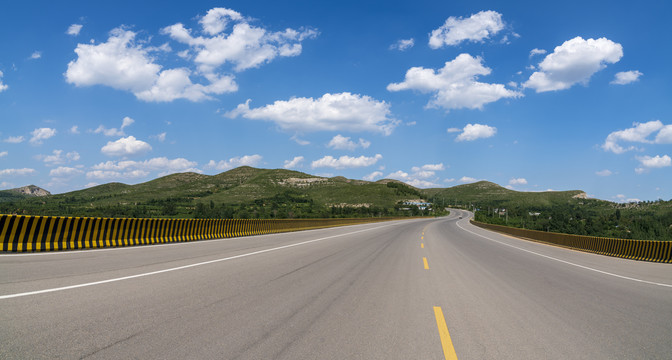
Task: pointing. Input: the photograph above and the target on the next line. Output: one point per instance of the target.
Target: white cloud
(299, 141)
(535, 51)
(467, 179)
(127, 121)
(403, 44)
(14, 139)
(136, 169)
(605, 172)
(128, 146)
(345, 162)
(74, 29)
(453, 130)
(234, 162)
(475, 28)
(626, 77)
(3, 87)
(331, 112)
(74, 129)
(245, 46)
(372, 176)
(454, 86)
(17, 172)
(65, 172)
(35, 55)
(638, 133)
(647, 163)
(664, 135)
(41, 134)
(430, 167)
(575, 61)
(57, 158)
(161, 137)
(339, 142)
(421, 176)
(472, 132)
(294, 163)
(3, 154)
(123, 64)
(518, 181)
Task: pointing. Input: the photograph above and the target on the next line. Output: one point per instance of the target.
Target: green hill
(241, 192)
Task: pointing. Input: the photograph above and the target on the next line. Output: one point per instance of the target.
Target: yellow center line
(422, 238)
(424, 260)
(422, 245)
(446, 343)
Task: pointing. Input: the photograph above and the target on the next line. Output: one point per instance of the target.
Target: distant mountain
(485, 193)
(22, 193)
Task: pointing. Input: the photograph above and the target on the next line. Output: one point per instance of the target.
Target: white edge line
(568, 262)
(10, 296)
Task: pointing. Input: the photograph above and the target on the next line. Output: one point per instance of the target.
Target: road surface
(414, 289)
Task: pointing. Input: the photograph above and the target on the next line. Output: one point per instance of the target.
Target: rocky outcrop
(31, 190)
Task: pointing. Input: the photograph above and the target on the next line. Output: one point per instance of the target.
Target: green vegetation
(249, 193)
(243, 192)
(567, 212)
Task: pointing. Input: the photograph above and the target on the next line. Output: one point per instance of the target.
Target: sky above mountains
(533, 96)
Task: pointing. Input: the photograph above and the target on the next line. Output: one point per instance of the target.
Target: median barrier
(645, 250)
(21, 233)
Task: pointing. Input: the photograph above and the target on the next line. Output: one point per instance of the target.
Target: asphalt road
(377, 291)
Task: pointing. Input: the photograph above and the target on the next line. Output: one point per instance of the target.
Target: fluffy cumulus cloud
(128, 169)
(473, 132)
(467, 179)
(294, 163)
(14, 139)
(17, 172)
(127, 146)
(535, 52)
(518, 181)
(3, 87)
(605, 173)
(340, 142)
(74, 29)
(124, 64)
(345, 162)
(475, 28)
(454, 86)
(41, 134)
(234, 162)
(57, 157)
(228, 37)
(626, 77)
(127, 121)
(573, 62)
(420, 176)
(65, 172)
(638, 133)
(403, 44)
(373, 176)
(331, 112)
(647, 163)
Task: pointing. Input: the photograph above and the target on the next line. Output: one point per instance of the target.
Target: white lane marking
(9, 296)
(150, 246)
(568, 262)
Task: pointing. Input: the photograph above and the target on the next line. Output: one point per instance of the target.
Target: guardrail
(645, 250)
(20, 233)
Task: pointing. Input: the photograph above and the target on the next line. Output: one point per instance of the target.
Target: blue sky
(532, 96)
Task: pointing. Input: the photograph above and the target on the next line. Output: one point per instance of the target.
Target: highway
(414, 289)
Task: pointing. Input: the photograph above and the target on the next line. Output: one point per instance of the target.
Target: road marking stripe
(446, 342)
(567, 262)
(9, 296)
(422, 246)
(424, 260)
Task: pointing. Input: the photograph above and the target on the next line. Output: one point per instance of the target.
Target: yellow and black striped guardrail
(20, 233)
(645, 250)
